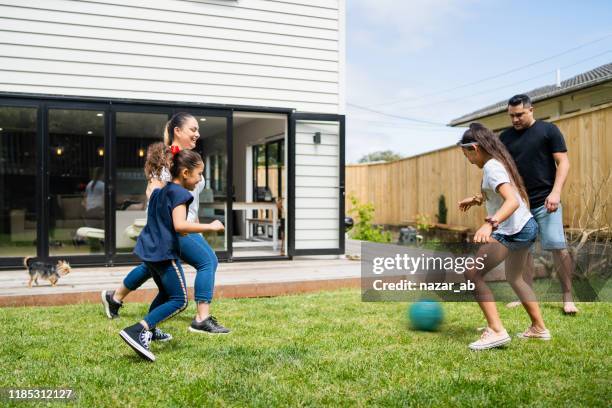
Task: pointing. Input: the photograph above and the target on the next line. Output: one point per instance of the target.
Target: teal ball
(426, 315)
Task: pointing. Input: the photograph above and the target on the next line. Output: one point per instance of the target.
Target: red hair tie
(174, 149)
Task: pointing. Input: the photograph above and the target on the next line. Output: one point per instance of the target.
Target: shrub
(423, 223)
(363, 229)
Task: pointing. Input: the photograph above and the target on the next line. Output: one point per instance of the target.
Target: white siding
(317, 180)
(249, 52)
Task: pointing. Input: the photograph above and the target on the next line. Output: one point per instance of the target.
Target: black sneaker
(111, 307)
(138, 338)
(208, 325)
(160, 335)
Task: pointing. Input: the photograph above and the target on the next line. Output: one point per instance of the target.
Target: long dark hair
(177, 120)
(159, 156)
(491, 144)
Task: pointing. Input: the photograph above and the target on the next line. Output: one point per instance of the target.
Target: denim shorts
(522, 239)
(551, 227)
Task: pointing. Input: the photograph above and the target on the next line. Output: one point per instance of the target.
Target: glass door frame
(108, 106)
(9, 262)
(110, 257)
(43, 236)
(130, 259)
(113, 257)
(293, 119)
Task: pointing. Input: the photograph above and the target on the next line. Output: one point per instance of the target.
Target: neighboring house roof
(580, 81)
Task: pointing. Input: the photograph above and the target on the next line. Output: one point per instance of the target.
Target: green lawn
(310, 350)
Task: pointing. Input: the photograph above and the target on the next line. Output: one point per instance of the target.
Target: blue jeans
(172, 296)
(551, 227)
(196, 252)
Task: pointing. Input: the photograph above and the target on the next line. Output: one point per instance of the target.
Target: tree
(383, 155)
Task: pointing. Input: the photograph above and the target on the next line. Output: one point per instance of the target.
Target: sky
(420, 59)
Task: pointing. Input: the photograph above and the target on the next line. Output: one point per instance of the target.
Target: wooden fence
(403, 189)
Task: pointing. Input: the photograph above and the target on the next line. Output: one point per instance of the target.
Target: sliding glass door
(72, 177)
(133, 132)
(214, 145)
(133, 129)
(76, 180)
(19, 220)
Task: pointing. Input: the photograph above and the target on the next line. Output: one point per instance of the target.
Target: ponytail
(176, 121)
(160, 156)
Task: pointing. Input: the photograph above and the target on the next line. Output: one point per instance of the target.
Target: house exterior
(86, 86)
(577, 94)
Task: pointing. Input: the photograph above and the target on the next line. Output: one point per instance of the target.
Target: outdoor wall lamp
(317, 138)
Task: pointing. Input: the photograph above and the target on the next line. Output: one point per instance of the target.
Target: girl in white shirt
(507, 234)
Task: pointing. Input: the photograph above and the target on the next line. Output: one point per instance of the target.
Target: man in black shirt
(539, 150)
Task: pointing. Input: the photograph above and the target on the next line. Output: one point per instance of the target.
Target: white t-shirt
(192, 214)
(495, 174)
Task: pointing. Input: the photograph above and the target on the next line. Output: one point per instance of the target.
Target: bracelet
(494, 223)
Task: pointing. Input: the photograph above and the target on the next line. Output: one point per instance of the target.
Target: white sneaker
(490, 339)
(532, 333)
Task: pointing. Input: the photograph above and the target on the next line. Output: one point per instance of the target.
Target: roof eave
(470, 118)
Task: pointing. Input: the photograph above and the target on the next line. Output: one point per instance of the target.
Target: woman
(181, 133)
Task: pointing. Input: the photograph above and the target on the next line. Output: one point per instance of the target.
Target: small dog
(45, 270)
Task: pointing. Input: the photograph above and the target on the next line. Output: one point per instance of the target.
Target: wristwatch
(493, 221)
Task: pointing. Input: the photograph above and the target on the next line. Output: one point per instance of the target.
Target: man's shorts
(551, 227)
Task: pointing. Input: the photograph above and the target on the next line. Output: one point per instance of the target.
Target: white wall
(317, 178)
(286, 54)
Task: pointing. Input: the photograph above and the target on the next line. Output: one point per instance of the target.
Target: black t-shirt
(532, 150)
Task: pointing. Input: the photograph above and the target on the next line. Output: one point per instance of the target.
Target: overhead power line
(396, 116)
(501, 74)
(504, 86)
